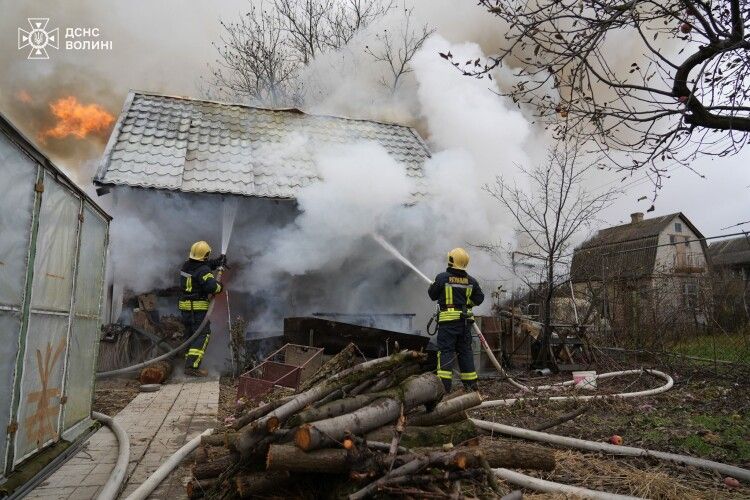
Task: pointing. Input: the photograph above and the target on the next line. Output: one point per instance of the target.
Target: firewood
(156, 373)
(253, 433)
(255, 483)
(413, 392)
(399, 375)
(214, 467)
(198, 488)
(344, 359)
(424, 437)
(446, 410)
(200, 455)
(498, 454)
(286, 457)
(332, 409)
(260, 411)
(219, 439)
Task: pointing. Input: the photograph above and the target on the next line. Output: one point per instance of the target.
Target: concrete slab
(158, 424)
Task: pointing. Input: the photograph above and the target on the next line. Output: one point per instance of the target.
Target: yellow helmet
(458, 258)
(200, 250)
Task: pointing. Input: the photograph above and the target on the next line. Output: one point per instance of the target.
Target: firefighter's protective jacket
(197, 283)
(456, 293)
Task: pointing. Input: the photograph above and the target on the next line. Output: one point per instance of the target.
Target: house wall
(667, 255)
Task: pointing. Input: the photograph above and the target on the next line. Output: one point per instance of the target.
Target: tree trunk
(398, 376)
(214, 468)
(199, 488)
(225, 439)
(332, 409)
(258, 412)
(252, 434)
(425, 437)
(445, 409)
(412, 392)
(255, 483)
(329, 461)
(346, 358)
(500, 454)
(156, 373)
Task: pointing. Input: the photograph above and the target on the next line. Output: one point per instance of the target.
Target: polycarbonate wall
(52, 254)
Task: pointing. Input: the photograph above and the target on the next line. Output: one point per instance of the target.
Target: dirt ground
(705, 415)
(112, 395)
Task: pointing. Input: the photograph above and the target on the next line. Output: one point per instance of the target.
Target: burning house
(53, 249)
(171, 166)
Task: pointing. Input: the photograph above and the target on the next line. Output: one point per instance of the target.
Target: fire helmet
(458, 258)
(200, 250)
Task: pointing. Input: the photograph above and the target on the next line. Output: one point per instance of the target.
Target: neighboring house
(730, 265)
(647, 272)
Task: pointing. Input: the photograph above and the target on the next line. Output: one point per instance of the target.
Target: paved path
(158, 424)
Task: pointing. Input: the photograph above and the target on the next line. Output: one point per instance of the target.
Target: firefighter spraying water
(475, 329)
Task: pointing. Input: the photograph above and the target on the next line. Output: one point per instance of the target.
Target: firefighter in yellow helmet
(198, 284)
(456, 293)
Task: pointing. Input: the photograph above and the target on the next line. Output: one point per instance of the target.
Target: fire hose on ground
(169, 354)
(112, 487)
(611, 449)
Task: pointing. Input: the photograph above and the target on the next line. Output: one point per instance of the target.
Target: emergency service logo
(38, 38)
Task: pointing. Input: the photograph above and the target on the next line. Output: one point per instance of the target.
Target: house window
(678, 227)
(672, 238)
(690, 294)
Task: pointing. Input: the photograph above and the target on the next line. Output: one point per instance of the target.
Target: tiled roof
(183, 144)
(622, 252)
(731, 252)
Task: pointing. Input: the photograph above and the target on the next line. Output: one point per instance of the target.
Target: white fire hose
(112, 487)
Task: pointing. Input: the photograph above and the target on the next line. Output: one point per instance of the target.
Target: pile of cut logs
(376, 428)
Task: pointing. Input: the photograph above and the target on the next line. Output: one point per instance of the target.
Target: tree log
(395, 378)
(258, 412)
(283, 457)
(332, 409)
(425, 437)
(252, 434)
(446, 409)
(249, 485)
(346, 358)
(156, 373)
(413, 392)
(213, 468)
(499, 454)
(225, 439)
(201, 455)
(199, 488)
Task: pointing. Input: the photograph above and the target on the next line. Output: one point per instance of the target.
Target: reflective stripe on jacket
(456, 293)
(197, 283)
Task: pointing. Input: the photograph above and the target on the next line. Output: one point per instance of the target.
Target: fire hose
(180, 348)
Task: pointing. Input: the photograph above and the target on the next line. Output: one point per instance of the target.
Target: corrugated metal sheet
(186, 144)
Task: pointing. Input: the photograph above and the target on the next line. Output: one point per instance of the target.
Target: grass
(734, 348)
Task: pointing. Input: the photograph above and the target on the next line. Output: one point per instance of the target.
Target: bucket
(585, 380)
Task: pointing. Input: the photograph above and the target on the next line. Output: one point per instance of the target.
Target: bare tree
(550, 213)
(685, 91)
(256, 61)
(263, 54)
(396, 50)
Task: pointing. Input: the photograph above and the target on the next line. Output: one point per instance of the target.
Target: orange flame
(77, 120)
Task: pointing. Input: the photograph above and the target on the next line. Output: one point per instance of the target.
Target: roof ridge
(262, 108)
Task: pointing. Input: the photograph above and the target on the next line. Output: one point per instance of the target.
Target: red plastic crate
(286, 367)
